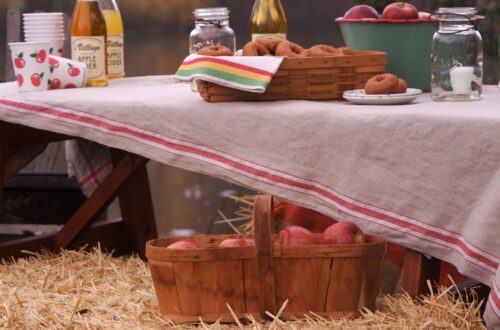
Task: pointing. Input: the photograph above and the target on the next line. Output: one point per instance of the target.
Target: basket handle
(263, 217)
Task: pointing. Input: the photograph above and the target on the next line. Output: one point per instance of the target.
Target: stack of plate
(45, 27)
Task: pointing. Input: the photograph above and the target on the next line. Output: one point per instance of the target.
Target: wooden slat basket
(329, 280)
(308, 78)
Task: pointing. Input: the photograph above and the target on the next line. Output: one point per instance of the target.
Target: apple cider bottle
(114, 42)
(268, 19)
(88, 40)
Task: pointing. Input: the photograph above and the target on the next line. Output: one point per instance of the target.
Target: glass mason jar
(457, 56)
(211, 28)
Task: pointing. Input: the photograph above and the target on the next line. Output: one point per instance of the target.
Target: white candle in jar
(461, 79)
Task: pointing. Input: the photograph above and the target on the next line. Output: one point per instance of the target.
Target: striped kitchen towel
(247, 73)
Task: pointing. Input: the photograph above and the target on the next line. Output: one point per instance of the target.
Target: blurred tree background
(157, 30)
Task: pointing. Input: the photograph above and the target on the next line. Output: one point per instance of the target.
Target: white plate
(358, 96)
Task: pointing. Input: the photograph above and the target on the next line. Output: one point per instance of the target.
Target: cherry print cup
(66, 73)
(31, 65)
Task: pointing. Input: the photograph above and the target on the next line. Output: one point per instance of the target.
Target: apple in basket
(361, 11)
(296, 235)
(236, 242)
(344, 232)
(183, 245)
(400, 10)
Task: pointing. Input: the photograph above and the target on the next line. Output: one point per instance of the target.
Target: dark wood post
(13, 35)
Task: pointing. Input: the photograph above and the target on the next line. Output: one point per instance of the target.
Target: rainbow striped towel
(248, 73)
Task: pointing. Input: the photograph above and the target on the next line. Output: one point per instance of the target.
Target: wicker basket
(329, 280)
(309, 78)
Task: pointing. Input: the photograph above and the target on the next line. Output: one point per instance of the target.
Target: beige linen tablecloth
(426, 175)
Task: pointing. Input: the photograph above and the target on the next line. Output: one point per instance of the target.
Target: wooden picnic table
(424, 174)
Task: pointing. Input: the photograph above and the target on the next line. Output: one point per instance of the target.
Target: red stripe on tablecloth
(401, 216)
(494, 296)
(89, 165)
(229, 63)
(94, 173)
(260, 173)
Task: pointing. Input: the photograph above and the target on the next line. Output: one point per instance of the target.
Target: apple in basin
(361, 11)
(400, 10)
(235, 242)
(344, 232)
(296, 235)
(183, 245)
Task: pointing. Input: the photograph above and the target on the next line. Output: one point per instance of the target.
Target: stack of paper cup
(45, 27)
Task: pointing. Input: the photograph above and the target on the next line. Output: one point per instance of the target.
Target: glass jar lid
(456, 13)
(211, 13)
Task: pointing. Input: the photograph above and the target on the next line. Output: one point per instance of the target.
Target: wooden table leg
(136, 207)
(417, 269)
(99, 200)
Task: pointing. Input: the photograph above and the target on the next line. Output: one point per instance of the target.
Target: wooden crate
(329, 280)
(308, 78)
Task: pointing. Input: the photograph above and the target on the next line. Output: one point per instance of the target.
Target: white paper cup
(43, 30)
(31, 65)
(56, 45)
(46, 35)
(66, 73)
(57, 24)
(42, 16)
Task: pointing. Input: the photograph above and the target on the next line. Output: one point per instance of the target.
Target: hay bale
(82, 290)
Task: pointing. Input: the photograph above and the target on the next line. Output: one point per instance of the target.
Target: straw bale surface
(81, 290)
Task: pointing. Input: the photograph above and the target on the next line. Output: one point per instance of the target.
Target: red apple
(250, 241)
(20, 80)
(344, 232)
(55, 84)
(400, 10)
(361, 11)
(183, 245)
(295, 235)
(234, 242)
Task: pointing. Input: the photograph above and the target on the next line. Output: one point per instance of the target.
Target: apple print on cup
(66, 73)
(30, 64)
(39, 56)
(19, 62)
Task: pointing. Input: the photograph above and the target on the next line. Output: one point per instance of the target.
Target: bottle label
(115, 55)
(91, 51)
(256, 36)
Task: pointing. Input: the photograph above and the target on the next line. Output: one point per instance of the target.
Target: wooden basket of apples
(332, 274)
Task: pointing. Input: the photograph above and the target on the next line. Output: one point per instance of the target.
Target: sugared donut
(269, 42)
(345, 51)
(323, 50)
(401, 87)
(290, 49)
(384, 83)
(216, 50)
(253, 48)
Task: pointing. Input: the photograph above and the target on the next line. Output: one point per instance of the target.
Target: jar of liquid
(457, 56)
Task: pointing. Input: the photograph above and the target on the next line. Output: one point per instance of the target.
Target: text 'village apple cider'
(114, 26)
(88, 40)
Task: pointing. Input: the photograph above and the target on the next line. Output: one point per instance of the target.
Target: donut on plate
(253, 48)
(216, 50)
(269, 42)
(385, 83)
(290, 49)
(401, 87)
(323, 50)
